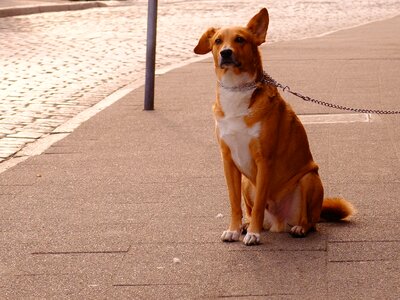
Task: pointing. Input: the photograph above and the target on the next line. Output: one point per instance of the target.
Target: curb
(28, 10)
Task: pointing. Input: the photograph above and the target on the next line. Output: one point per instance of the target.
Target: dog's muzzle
(227, 58)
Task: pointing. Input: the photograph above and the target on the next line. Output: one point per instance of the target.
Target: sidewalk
(10, 8)
(126, 206)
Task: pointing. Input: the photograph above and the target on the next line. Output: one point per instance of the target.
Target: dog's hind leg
(307, 203)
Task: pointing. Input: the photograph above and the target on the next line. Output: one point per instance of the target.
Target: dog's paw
(230, 236)
(298, 231)
(251, 239)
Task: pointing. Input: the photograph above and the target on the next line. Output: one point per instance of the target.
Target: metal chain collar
(269, 80)
(239, 88)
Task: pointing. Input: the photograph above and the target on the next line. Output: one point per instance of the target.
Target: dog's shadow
(314, 241)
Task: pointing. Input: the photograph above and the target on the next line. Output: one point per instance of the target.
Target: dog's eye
(239, 40)
(218, 41)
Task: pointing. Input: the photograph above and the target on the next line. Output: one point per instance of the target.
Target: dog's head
(235, 48)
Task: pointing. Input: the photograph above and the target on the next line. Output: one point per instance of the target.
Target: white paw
(251, 239)
(230, 236)
(297, 231)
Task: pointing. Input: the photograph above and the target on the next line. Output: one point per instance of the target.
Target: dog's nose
(226, 53)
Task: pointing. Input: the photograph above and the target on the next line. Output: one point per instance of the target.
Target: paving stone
(284, 278)
(6, 152)
(25, 135)
(374, 280)
(13, 142)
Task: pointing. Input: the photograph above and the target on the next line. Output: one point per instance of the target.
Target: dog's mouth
(228, 62)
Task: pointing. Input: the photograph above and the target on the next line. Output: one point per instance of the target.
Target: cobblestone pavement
(18, 3)
(55, 65)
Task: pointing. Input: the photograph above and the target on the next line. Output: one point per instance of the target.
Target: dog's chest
(234, 131)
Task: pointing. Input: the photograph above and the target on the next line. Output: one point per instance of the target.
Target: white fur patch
(234, 131)
(230, 236)
(251, 238)
(298, 231)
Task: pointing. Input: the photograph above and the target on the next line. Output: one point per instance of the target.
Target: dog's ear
(258, 25)
(204, 46)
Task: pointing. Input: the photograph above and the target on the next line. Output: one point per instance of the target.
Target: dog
(264, 146)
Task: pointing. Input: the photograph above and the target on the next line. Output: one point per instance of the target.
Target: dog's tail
(336, 209)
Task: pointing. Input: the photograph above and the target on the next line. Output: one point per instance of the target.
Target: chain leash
(269, 80)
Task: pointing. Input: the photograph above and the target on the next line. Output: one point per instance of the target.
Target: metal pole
(150, 55)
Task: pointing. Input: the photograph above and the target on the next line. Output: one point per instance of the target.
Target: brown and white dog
(264, 146)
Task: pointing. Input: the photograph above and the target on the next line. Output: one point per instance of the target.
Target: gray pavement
(131, 205)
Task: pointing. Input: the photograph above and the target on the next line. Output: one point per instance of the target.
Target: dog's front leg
(257, 214)
(233, 180)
